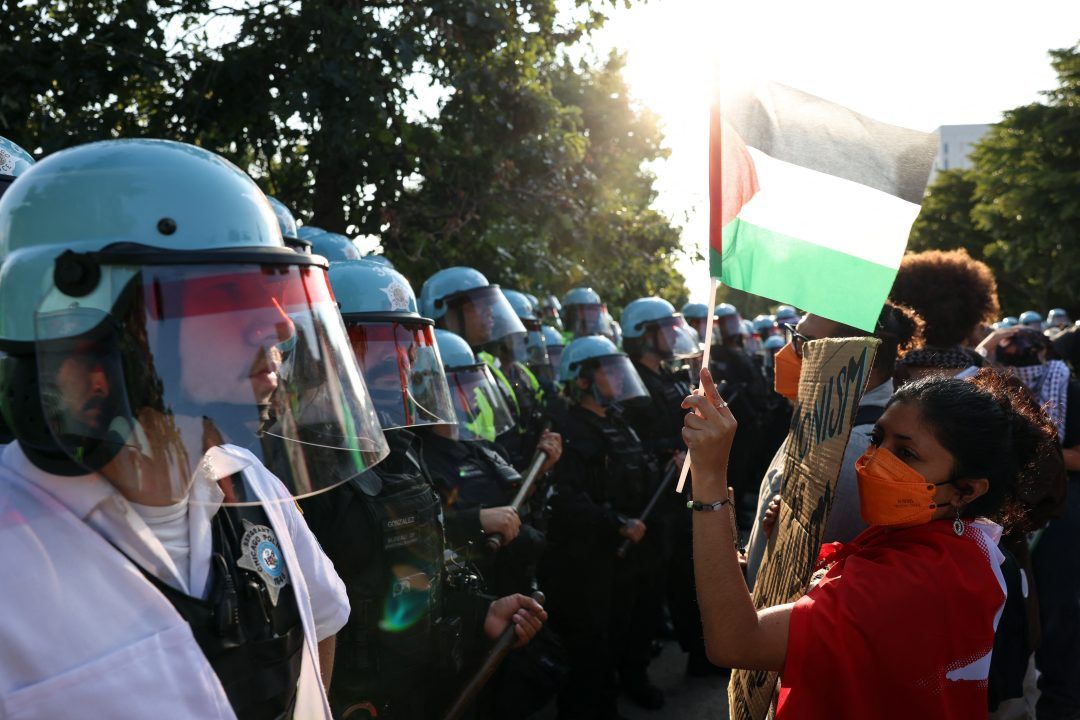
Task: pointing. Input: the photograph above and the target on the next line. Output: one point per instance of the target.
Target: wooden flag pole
(704, 363)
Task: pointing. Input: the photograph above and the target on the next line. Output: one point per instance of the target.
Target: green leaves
(1018, 208)
(456, 130)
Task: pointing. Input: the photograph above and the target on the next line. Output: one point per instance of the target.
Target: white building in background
(955, 143)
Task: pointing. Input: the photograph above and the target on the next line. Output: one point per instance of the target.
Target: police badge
(259, 553)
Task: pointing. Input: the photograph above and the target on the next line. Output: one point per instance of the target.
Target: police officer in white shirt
(160, 340)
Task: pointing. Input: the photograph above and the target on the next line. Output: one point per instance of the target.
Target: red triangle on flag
(732, 177)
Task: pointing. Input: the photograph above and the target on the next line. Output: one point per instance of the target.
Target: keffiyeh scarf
(1049, 385)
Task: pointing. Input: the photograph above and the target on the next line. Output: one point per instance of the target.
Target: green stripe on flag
(820, 280)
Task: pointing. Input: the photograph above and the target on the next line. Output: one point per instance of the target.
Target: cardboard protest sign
(834, 375)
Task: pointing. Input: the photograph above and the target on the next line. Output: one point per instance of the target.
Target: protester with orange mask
(899, 330)
(902, 623)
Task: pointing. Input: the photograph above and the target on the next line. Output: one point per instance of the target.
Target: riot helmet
(142, 338)
(334, 247)
(551, 312)
(770, 347)
(479, 405)
(594, 365)
(1031, 319)
(306, 232)
(379, 259)
(461, 300)
(651, 325)
(584, 314)
(786, 314)
(287, 224)
(697, 317)
(765, 327)
(393, 344)
(536, 354)
(729, 323)
(1059, 318)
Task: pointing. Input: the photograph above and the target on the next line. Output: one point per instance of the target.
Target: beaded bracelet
(707, 507)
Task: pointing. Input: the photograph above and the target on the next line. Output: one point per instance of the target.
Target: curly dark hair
(952, 292)
(995, 430)
(900, 330)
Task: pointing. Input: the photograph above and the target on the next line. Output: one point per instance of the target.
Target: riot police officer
(474, 475)
(553, 340)
(584, 313)
(533, 383)
(476, 482)
(744, 388)
(384, 527)
(463, 301)
(551, 312)
(786, 314)
(655, 335)
(697, 316)
(156, 331)
(1057, 319)
(606, 607)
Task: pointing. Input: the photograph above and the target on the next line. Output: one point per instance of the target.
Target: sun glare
(921, 64)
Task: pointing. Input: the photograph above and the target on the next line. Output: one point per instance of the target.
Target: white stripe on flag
(828, 211)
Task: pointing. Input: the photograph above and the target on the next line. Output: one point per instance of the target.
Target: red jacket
(901, 626)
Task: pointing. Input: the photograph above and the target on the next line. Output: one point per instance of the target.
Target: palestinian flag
(811, 203)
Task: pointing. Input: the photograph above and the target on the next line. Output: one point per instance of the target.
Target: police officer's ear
(582, 383)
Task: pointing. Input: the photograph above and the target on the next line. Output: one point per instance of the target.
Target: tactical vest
(397, 597)
(676, 388)
(628, 471)
(505, 386)
(249, 626)
(484, 478)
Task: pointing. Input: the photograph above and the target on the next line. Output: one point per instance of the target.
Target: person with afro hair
(954, 294)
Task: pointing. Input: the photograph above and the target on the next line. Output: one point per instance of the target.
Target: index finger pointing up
(709, 387)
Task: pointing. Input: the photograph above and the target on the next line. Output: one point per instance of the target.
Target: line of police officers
(232, 466)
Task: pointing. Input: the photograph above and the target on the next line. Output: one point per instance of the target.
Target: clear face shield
(482, 413)
(536, 350)
(592, 319)
(615, 381)
(403, 372)
(481, 316)
(675, 339)
(510, 348)
(700, 325)
(188, 358)
(730, 326)
(555, 354)
(549, 315)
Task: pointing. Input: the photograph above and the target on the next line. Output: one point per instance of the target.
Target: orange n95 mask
(788, 368)
(891, 493)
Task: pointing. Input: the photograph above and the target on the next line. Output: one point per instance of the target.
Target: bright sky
(919, 63)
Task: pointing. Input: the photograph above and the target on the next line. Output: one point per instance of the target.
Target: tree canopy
(1017, 209)
(454, 131)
